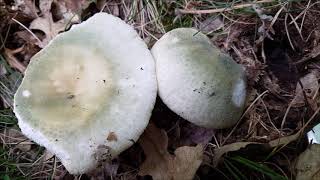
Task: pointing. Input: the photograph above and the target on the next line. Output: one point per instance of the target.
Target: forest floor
(277, 41)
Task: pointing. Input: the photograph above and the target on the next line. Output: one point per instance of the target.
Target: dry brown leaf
(46, 24)
(30, 48)
(3, 70)
(110, 6)
(315, 52)
(12, 60)
(50, 28)
(112, 136)
(70, 9)
(219, 152)
(253, 67)
(283, 141)
(73, 5)
(154, 142)
(47, 155)
(104, 170)
(100, 4)
(310, 87)
(211, 24)
(113, 8)
(28, 7)
(186, 162)
(160, 164)
(25, 35)
(308, 164)
(272, 84)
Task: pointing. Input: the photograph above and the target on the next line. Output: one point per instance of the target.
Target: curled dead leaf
(160, 164)
(70, 9)
(111, 7)
(46, 24)
(310, 88)
(186, 162)
(308, 164)
(30, 48)
(50, 28)
(3, 70)
(112, 136)
(27, 7)
(219, 152)
(26, 36)
(211, 24)
(283, 141)
(73, 6)
(104, 170)
(12, 60)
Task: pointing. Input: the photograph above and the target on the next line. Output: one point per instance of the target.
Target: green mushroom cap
(197, 81)
(89, 94)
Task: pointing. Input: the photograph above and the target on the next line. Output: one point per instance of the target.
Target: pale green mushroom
(197, 81)
(89, 94)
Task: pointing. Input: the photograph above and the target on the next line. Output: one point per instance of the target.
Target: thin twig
(311, 118)
(236, 21)
(307, 8)
(286, 114)
(303, 60)
(12, 60)
(274, 19)
(54, 168)
(3, 41)
(304, 16)
(269, 117)
(219, 10)
(247, 110)
(215, 140)
(104, 6)
(297, 27)
(27, 30)
(287, 31)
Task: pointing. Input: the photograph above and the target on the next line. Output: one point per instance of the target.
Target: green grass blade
(7, 117)
(231, 171)
(236, 169)
(6, 177)
(258, 167)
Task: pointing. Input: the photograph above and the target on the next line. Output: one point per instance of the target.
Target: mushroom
(89, 94)
(197, 81)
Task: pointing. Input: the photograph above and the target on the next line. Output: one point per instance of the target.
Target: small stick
(219, 10)
(287, 31)
(245, 112)
(302, 12)
(27, 30)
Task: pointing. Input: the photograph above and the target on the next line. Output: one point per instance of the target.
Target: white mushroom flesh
(89, 94)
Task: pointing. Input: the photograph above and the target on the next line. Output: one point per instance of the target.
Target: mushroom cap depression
(197, 81)
(89, 94)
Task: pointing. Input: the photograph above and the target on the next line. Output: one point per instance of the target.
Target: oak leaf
(162, 165)
(47, 25)
(308, 164)
(310, 88)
